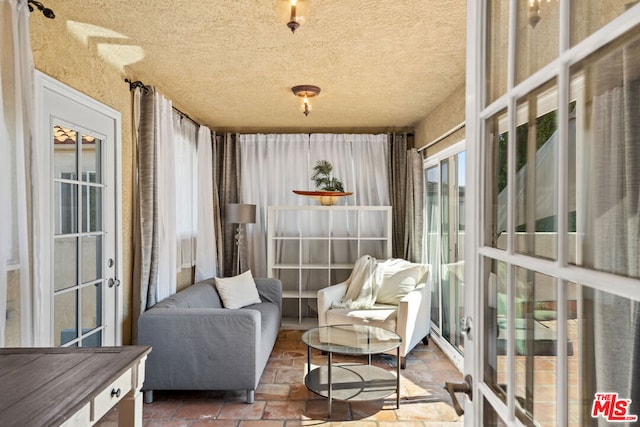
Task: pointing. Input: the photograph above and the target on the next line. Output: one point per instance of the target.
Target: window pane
(65, 320)
(607, 160)
(536, 327)
(496, 187)
(66, 208)
(91, 208)
(587, 16)
(91, 266)
(536, 206)
(537, 38)
(91, 314)
(91, 159)
(65, 256)
(607, 351)
(497, 41)
(64, 153)
(431, 234)
(495, 333)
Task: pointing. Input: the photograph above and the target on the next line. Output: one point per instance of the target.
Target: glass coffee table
(352, 381)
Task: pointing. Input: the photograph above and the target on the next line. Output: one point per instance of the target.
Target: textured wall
(67, 58)
(440, 120)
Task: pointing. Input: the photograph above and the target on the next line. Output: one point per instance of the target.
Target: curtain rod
(138, 83)
(45, 10)
(443, 136)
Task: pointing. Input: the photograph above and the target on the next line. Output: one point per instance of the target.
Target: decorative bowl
(325, 198)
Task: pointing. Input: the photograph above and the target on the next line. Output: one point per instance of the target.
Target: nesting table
(352, 381)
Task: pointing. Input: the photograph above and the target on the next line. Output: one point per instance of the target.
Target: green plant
(322, 177)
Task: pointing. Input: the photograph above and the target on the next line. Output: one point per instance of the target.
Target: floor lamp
(239, 213)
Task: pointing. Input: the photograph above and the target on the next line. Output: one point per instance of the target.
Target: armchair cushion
(397, 285)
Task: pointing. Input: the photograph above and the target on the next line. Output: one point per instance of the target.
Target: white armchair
(410, 318)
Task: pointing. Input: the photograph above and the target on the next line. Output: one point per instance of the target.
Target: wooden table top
(46, 386)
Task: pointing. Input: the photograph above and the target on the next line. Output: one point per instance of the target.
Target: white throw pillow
(238, 291)
(396, 286)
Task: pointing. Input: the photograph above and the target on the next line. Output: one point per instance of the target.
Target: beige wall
(67, 57)
(440, 120)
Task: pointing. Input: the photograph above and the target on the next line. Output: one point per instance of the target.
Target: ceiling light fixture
(293, 12)
(534, 12)
(304, 92)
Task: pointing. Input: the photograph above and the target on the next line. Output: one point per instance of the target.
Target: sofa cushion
(198, 295)
(238, 291)
(381, 315)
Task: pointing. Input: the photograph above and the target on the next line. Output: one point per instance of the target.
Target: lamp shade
(240, 213)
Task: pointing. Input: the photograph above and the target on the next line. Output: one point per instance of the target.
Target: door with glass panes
(80, 137)
(553, 213)
(444, 246)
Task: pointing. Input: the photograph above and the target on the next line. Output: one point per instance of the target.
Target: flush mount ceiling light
(304, 92)
(293, 12)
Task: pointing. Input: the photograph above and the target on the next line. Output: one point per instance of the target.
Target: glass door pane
(78, 239)
(431, 239)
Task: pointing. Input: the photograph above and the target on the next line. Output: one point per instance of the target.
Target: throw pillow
(238, 291)
(396, 286)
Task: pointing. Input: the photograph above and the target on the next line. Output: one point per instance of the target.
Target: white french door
(553, 220)
(79, 143)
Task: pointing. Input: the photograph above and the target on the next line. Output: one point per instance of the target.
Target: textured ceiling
(230, 64)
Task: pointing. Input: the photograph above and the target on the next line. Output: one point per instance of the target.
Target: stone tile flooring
(282, 400)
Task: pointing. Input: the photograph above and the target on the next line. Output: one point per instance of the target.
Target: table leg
(329, 361)
(308, 360)
(130, 410)
(398, 380)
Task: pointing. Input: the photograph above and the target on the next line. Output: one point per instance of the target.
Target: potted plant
(329, 188)
(322, 177)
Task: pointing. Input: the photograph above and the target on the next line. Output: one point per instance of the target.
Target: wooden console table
(71, 386)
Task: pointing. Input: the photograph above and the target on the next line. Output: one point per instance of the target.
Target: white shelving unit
(311, 247)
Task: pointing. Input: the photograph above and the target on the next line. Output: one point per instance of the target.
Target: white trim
(443, 136)
(456, 358)
(475, 94)
(43, 222)
(452, 150)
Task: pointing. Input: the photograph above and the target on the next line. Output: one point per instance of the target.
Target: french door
(444, 246)
(79, 140)
(553, 220)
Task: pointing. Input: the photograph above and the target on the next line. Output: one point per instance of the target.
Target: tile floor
(282, 400)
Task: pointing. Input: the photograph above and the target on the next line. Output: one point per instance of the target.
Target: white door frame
(41, 180)
(429, 162)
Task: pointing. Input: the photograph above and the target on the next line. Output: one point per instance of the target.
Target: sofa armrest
(270, 290)
(187, 347)
(326, 297)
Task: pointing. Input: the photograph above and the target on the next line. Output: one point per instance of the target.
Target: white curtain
(359, 160)
(166, 198)
(185, 134)
(16, 130)
(206, 253)
(271, 166)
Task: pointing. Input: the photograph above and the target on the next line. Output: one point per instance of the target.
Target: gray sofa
(199, 345)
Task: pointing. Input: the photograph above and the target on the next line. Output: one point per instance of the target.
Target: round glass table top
(351, 339)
